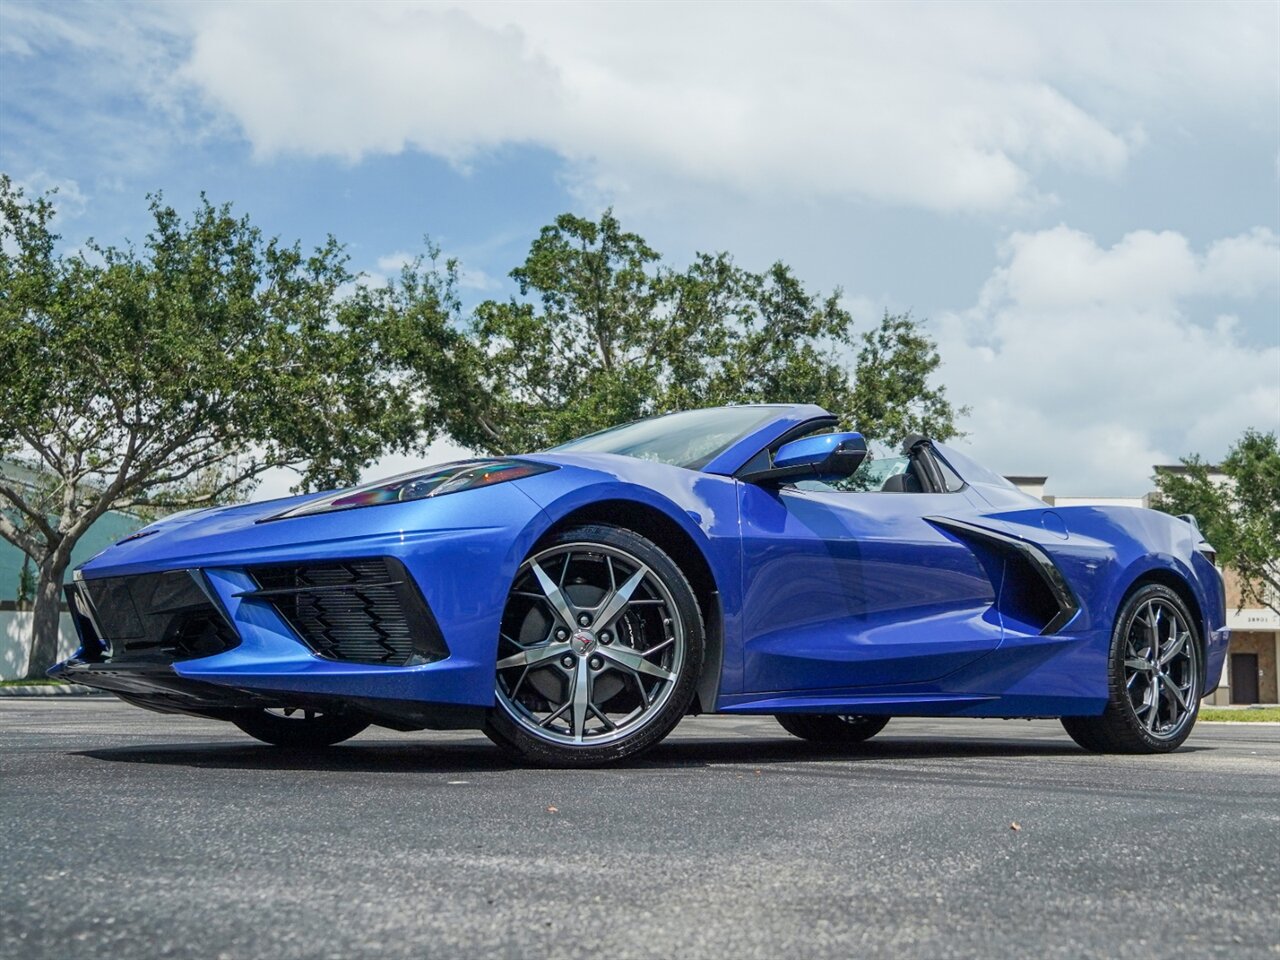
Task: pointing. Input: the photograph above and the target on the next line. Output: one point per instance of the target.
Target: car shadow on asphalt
(475, 755)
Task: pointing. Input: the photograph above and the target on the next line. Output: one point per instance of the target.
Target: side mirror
(826, 455)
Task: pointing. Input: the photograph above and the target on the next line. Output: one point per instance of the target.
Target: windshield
(690, 440)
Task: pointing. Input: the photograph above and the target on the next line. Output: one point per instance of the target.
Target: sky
(1081, 201)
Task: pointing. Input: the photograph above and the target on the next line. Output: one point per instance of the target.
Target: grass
(42, 681)
(1247, 715)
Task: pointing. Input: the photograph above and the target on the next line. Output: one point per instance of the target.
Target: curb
(51, 690)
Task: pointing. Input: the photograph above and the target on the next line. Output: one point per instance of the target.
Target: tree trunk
(48, 612)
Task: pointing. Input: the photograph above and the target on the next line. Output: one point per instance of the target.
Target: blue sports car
(576, 603)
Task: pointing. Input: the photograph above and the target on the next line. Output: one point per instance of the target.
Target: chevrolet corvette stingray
(576, 603)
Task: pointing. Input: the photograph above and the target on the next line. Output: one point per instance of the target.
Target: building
(109, 528)
(15, 624)
(1253, 656)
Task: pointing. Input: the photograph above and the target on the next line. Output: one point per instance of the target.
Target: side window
(879, 474)
(873, 475)
(921, 472)
(950, 478)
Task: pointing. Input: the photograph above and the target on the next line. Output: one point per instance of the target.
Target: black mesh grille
(152, 617)
(361, 611)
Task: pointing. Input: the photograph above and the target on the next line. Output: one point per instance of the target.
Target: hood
(249, 533)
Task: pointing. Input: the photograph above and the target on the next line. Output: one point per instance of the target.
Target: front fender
(703, 507)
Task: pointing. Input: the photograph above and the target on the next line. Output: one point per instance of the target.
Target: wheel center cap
(582, 642)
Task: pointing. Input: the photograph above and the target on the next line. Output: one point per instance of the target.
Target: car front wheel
(1155, 678)
(599, 650)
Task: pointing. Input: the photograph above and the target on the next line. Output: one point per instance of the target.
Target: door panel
(1244, 678)
(848, 590)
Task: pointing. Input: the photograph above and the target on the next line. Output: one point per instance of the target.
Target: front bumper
(161, 688)
(460, 552)
(460, 579)
(259, 643)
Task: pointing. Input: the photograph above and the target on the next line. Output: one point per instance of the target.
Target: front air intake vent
(1033, 589)
(367, 610)
(150, 617)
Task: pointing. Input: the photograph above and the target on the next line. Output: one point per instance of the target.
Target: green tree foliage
(603, 333)
(175, 375)
(1240, 515)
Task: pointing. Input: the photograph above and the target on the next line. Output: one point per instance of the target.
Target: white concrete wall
(15, 642)
(1252, 618)
(1099, 502)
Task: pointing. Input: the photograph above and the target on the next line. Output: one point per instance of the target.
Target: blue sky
(1083, 200)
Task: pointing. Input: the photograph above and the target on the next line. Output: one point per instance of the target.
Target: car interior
(917, 469)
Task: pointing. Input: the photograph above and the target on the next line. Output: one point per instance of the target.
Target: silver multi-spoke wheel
(1155, 678)
(591, 646)
(1161, 668)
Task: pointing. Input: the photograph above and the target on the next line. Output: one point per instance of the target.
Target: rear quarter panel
(1104, 552)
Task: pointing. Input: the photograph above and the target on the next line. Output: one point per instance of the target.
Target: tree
(26, 585)
(174, 376)
(1239, 515)
(603, 332)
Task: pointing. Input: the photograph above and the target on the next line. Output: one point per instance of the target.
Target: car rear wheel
(1154, 681)
(831, 728)
(298, 727)
(599, 650)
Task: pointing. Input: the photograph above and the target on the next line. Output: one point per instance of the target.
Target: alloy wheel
(591, 646)
(1161, 669)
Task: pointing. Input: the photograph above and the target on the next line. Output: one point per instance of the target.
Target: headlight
(420, 485)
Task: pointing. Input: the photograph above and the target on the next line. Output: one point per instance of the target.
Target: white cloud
(1243, 266)
(469, 278)
(362, 79)
(68, 199)
(28, 28)
(101, 77)
(1092, 364)
(473, 278)
(280, 482)
(395, 262)
(942, 106)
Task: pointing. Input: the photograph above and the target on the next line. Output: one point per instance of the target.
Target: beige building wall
(1254, 631)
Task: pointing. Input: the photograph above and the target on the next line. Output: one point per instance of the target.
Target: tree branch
(37, 517)
(489, 430)
(204, 498)
(20, 538)
(45, 453)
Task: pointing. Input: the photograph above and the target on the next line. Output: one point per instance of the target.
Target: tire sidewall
(322, 731)
(831, 728)
(507, 733)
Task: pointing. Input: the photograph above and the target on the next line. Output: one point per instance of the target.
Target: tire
(1155, 678)
(831, 728)
(309, 730)
(602, 610)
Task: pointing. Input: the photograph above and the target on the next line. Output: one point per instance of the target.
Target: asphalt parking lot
(132, 834)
